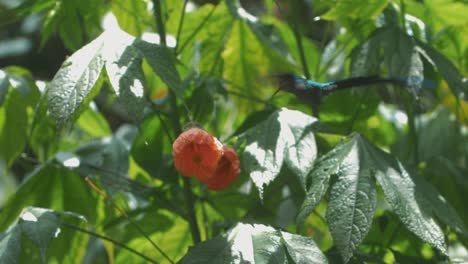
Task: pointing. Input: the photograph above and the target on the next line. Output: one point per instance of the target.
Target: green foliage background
(362, 175)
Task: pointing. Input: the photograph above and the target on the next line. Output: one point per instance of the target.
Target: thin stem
(300, 46)
(159, 21)
(221, 47)
(305, 68)
(249, 97)
(122, 211)
(190, 203)
(412, 128)
(195, 32)
(181, 23)
(115, 242)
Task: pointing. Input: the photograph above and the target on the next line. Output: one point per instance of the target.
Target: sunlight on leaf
(285, 135)
(246, 243)
(74, 84)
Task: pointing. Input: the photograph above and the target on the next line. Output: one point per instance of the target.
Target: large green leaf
(74, 85)
(285, 135)
(17, 96)
(353, 195)
(356, 164)
(246, 243)
(353, 199)
(414, 200)
(40, 226)
(51, 187)
(13, 126)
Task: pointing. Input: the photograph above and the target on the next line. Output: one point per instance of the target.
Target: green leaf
(246, 243)
(75, 84)
(318, 179)
(353, 199)
(353, 195)
(252, 120)
(10, 245)
(402, 57)
(302, 149)
(365, 57)
(447, 70)
(162, 62)
(51, 187)
(284, 136)
(123, 66)
(355, 10)
(441, 123)
(405, 198)
(93, 123)
(4, 85)
(130, 14)
(437, 204)
(150, 147)
(268, 35)
(13, 126)
(40, 226)
(173, 241)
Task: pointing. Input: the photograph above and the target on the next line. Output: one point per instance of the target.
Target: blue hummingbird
(309, 90)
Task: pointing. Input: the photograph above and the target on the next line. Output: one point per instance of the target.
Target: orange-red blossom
(197, 153)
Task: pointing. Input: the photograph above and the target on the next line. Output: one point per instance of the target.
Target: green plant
(374, 174)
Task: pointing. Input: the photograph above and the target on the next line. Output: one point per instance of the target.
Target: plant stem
(189, 199)
(179, 28)
(412, 128)
(159, 21)
(305, 68)
(195, 32)
(192, 218)
(115, 242)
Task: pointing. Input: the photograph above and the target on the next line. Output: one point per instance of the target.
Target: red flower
(227, 171)
(197, 153)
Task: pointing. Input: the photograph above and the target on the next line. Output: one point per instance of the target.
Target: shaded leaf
(40, 226)
(162, 62)
(447, 70)
(123, 66)
(405, 200)
(13, 126)
(51, 187)
(10, 245)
